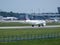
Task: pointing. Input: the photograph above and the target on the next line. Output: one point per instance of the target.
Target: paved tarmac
(14, 27)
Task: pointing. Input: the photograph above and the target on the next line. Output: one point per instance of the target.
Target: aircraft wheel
(38, 25)
(32, 25)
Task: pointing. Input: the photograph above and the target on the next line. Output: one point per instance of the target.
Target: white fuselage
(36, 22)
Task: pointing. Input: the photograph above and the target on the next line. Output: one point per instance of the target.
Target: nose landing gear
(32, 25)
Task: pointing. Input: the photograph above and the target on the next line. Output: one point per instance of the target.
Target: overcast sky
(29, 6)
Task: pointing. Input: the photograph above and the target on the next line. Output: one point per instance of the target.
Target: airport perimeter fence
(29, 37)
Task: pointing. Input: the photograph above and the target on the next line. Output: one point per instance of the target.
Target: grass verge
(34, 42)
(21, 24)
(31, 31)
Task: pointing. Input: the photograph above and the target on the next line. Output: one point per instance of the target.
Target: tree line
(10, 14)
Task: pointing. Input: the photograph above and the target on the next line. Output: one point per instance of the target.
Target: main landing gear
(32, 25)
(39, 25)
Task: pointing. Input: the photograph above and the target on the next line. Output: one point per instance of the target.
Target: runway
(16, 27)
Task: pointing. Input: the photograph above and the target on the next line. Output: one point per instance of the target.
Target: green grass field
(32, 31)
(22, 32)
(34, 42)
(13, 24)
(53, 23)
(21, 24)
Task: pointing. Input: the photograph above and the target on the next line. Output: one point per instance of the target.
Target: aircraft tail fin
(27, 17)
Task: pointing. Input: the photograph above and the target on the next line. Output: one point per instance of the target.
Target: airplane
(35, 22)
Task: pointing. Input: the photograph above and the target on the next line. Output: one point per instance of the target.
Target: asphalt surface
(14, 27)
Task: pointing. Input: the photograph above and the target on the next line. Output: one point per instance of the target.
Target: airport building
(42, 16)
(38, 16)
(59, 10)
(7, 18)
(32, 16)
